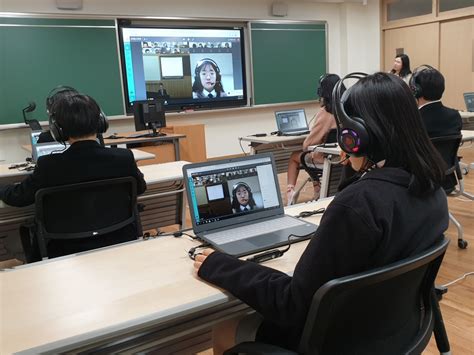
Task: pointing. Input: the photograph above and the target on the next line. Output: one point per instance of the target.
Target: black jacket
(441, 121)
(372, 223)
(83, 161)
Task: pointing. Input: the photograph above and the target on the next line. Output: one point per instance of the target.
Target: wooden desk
(280, 146)
(170, 137)
(142, 294)
(164, 201)
(467, 120)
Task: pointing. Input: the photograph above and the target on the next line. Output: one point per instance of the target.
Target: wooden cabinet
(192, 148)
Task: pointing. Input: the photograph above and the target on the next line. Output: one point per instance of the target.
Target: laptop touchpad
(267, 239)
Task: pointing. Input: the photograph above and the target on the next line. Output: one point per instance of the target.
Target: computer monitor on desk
(149, 114)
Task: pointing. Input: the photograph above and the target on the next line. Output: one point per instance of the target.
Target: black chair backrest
(88, 209)
(447, 147)
(381, 311)
(332, 136)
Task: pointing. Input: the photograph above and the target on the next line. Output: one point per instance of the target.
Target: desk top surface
(466, 114)
(65, 300)
(167, 137)
(467, 135)
(269, 139)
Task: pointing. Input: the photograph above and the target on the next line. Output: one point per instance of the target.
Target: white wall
(353, 37)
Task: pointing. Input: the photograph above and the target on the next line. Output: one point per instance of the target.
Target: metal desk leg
(325, 177)
(176, 149)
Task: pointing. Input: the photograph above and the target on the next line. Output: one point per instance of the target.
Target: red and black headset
(352, 134)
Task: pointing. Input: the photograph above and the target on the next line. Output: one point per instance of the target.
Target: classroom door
(457, 60)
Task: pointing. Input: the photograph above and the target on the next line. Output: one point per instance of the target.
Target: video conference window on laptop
(218, 191)
(291, 121)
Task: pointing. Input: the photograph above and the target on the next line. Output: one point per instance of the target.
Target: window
(447, 5)
(400, 9)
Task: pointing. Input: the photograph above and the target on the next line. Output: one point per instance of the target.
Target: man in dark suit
(77, 119)
(162, 93)
(428, 86)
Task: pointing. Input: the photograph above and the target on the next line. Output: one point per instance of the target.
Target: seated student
(325, 122)
(427, 85)
(54, 95)
(207, 80)
(242, 198)
(401, 67)
(395, 210)
(78, 119)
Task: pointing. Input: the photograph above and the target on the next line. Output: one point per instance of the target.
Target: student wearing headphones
(242, 198)
(325, 122)
(207, 80)
(395, 210)
(427, 85)
(77, 119)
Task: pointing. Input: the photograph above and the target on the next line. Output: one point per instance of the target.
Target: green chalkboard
(37, 55)
(287, 60)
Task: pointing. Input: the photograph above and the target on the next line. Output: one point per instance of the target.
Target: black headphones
(320, 89)
(59, 134)
(416, 89)
(204, 61)
(352, 134)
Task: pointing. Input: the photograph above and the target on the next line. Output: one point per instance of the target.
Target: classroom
(271, 58)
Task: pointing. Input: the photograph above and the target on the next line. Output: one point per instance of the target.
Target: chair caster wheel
(462, 244)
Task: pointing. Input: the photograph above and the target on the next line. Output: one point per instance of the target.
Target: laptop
(40, 149)
(236, 206)
(292, 122)
(469, 100)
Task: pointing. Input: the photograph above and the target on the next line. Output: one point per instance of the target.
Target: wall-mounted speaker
(69, 4)
(280, 9)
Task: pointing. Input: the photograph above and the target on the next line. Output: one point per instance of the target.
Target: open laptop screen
(469, 100)
(291, 121)
(222, 192)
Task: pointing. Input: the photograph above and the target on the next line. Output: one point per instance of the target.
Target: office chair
(389, 310)
(448, 147)
(84, 216)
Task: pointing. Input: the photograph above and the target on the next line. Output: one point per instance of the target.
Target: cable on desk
(276, 253)
(306, 214)
(240, 143)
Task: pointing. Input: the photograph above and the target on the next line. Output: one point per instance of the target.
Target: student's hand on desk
(200, 257)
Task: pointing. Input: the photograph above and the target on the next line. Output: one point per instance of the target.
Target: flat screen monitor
(187, 67)
(149, 114)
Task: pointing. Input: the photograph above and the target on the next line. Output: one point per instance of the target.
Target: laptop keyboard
(295, 133)
(252, 230)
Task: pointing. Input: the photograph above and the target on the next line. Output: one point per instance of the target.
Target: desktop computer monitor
(149, 114)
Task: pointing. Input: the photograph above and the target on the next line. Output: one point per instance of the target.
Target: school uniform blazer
(373, 222)
(440, 121)
(83, 161)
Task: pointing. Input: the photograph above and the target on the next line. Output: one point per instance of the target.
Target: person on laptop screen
(77, 119)
(397, 209)
(324, 123)
(207, 80)
(242, 198)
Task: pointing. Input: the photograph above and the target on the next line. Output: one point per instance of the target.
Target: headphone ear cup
(354, 138)
(103, 124)
(56, 130)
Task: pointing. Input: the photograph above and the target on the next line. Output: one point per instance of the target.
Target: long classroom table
(138, 296)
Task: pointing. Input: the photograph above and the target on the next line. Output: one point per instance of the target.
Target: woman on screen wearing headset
(207, 80)
(397, 209)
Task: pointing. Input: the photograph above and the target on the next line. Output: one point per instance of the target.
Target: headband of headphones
(416, 89)
(239, 184)
(58, 90)
(352, 134)
(204, 61)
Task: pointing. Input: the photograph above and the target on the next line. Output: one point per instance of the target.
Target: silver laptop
(469, 100)
(40, 149)
(236, 205)
(292, 122)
